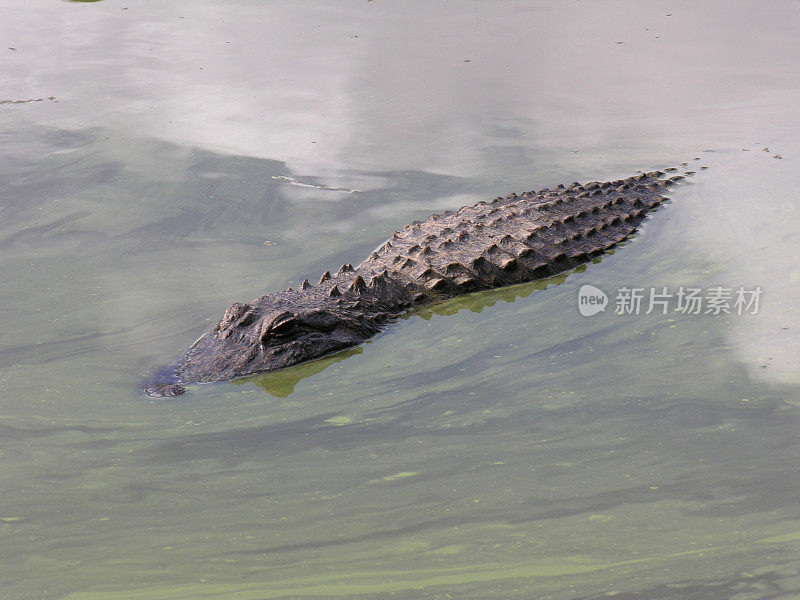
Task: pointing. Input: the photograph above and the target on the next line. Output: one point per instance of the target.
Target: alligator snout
(164, 390)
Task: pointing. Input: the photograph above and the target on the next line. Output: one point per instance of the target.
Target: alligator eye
(284, 328)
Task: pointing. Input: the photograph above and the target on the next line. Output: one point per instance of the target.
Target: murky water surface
(498, 446)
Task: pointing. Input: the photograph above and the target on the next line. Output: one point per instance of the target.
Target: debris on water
(395, 477)
(50, 98)
(312, 185)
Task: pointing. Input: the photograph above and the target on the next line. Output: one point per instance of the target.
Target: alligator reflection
(478, 301)
(281, 383)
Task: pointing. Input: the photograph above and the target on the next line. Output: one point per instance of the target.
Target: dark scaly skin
(506, 241)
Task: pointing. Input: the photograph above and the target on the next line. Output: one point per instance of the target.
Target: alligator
(508, 240)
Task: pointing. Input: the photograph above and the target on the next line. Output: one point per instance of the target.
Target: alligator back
(517, 238)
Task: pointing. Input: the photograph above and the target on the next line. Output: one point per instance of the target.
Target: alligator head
(274, 332)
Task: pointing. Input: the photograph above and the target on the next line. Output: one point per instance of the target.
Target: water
(497, 446)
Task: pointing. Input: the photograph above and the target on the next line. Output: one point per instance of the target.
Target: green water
(500, 445)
